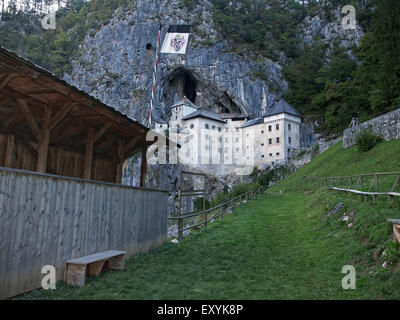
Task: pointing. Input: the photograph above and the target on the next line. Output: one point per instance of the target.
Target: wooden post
(396, 232)
(9, 152)
(143, 167)
(87, 171)
(42, 134)
(205, 214)
(376, 182)
(43, 148)
(180, 221)
(120, 164)
(396, 182)
(42, 153)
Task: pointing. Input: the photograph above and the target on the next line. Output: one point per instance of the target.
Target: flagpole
(154, 77)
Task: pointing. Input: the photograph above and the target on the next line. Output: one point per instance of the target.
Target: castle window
(213, 127)
(191, 126)
(290, 140)
(269, 128)
(262, 144)
(289, 127)
(262, 156)
(270, 154)
(262, 131)
(270, 141)
(277, 140)
(207, 126)
(277, 126)
(219, 129)
(277, 154)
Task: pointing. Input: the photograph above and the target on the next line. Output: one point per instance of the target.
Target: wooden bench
(77, 269)
(396, 229)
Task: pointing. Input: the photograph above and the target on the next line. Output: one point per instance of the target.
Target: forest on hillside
(327, 89)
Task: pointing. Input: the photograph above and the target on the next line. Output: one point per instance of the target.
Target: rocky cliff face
(115, 64)
(319, 27)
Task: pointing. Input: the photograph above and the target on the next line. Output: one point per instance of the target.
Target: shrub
(198, 204)
(366, 140)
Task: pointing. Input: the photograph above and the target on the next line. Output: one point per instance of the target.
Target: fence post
(180, 221)
(205, 214)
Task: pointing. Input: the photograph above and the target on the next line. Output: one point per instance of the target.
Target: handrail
(339, 183)
(230, 204)
(354, 176)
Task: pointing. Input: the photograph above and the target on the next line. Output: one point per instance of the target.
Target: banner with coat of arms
(176, 40)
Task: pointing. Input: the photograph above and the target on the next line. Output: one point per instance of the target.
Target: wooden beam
(59, 116)
(132, 143)
(87, 170)
(143, 167)
(30, 119)
(102, 131)
(9, 152)
(98, 134)
(7, 79)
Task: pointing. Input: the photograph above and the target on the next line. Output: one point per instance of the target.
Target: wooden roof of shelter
(36, 106)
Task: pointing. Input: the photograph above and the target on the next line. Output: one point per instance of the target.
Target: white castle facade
(231, 143)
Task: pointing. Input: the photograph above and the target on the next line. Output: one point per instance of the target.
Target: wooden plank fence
(47, 220)
(215, 212)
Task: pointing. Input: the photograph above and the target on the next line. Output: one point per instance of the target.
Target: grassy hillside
(369, 238)
(335, 162)
(279, 246)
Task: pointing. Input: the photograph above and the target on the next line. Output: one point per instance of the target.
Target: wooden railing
(215, 212)
(358, 184)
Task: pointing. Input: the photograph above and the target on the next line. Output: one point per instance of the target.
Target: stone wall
(387, 126)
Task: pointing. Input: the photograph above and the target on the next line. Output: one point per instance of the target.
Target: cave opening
(189, 87)
(183, 84)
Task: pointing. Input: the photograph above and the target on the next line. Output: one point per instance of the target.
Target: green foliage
(54, 49)
(198, 204)
(332, 92)
(266, 26)
(236, 191)
(366, 140)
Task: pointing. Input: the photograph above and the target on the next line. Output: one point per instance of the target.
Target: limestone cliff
(115, 64)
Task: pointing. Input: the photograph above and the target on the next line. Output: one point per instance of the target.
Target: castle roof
(184, 101)
(282, 107)
(253, 122)
(204, 114)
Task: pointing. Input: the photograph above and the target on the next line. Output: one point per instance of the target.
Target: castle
(227, 141)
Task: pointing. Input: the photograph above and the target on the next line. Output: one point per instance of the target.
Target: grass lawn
(276, 247)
